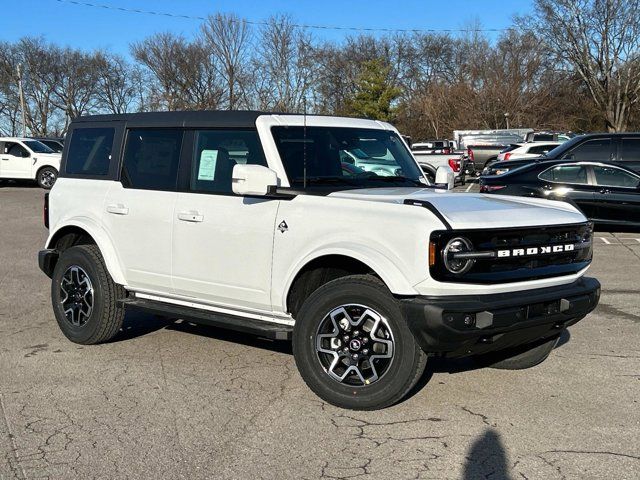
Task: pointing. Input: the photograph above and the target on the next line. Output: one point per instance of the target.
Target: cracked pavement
(169, 399)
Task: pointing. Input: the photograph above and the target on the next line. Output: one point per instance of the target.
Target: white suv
(25, 158)
(250, 221)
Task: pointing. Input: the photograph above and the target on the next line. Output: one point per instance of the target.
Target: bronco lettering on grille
(524, 252)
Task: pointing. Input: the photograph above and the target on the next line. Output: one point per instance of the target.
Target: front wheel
(353, 347)
(47, 176)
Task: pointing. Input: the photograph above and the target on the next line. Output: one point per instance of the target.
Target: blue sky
(86, 27)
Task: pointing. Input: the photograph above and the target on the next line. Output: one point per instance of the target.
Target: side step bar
(260, 328)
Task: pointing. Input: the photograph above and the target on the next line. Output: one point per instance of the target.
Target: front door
(222, 243)
(15, 161)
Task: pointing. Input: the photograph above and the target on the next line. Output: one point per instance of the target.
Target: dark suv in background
(598, 147)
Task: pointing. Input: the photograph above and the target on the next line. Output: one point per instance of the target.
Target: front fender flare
(381, 265)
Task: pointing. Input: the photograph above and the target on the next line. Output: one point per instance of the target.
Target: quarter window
(151, 159)
(614, 177)
(90, 151)
(575, 174)
(217, 152)
(630, 150)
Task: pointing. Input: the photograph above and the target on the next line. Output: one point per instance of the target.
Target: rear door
(570, 182)
(617, 195)
(138, 210)
(223, 243)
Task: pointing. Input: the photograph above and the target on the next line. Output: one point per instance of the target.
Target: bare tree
(116, 90)
(228, 39)
(184, 77)
(284, 67)
(600, 39)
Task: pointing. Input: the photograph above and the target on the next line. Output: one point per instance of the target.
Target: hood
(474, 210)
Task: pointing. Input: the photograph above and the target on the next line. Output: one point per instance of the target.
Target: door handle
(117, 209)
(191, 216)
(5, 159)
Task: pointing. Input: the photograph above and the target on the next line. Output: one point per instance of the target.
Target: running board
(260, 328)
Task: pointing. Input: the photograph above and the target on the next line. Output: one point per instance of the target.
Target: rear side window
(575, 174)
(598, 150)
(90, 151)
(614, 177)
(541, 149)
(630, 151)
(151, 159)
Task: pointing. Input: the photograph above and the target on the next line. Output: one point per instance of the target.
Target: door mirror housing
(253, 180)
(445, 178)
(569, 156)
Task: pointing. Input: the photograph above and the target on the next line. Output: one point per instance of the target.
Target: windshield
(328, 154)
(38, 147)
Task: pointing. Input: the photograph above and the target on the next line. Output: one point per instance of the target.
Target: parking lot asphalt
(168, 399)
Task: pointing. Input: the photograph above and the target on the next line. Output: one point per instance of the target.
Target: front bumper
(464, 325)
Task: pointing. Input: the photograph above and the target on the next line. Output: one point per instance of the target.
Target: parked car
(598, 147)
(519, 151)
(606, 193)
(368, 275)
(55, 144)
(25, 158)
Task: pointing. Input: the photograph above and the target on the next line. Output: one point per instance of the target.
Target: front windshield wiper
(397, 178)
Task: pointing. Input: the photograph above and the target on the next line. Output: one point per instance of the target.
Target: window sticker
(207, 168)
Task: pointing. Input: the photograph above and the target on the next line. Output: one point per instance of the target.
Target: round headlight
(457, 266)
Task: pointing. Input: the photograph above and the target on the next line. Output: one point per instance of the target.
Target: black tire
(46, 177)
(520, 358)
(106, 316)
(403, 370)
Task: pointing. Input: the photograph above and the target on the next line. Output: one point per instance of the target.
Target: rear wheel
(84, 296)
(353, 347)
(47, 176)
(520, 358)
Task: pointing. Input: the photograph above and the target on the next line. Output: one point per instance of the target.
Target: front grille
(517, 254)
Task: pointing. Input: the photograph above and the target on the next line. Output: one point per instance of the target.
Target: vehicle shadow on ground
(18, 184)
(460, 365)
(138, 323)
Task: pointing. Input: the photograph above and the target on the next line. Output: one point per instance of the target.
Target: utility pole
(24, 115)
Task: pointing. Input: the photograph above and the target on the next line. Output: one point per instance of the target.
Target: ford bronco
(252, 221)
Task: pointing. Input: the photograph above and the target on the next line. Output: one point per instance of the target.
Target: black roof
(200, 118)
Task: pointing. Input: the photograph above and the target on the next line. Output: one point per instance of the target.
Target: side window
(598, 150)
(614, 177)
(217, 152)
(90, 151)
(575, 174)
(16, 150)
(630, 150)
(151, 159)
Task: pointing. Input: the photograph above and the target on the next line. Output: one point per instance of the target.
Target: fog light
(456, 265)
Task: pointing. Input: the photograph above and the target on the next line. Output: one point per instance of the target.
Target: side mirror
(253, 180)
(445, 178)
(569, 156)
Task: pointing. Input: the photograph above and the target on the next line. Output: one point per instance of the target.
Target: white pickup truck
(430, 157)
(250, 221)
(25, 158)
